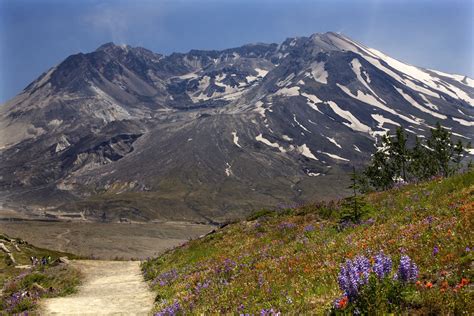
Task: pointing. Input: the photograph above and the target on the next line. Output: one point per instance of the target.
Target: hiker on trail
(34, 261)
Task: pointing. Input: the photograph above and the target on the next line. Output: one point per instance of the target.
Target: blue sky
(37, 34)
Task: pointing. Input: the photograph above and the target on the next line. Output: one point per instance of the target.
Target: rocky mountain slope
(206, 135)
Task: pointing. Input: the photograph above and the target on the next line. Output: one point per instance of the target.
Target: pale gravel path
(109, 288)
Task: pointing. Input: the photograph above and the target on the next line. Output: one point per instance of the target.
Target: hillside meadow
(289, 260)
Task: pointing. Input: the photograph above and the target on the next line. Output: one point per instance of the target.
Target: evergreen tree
(381, 172)
(444, 151)
(421, 166)
(353, 205)
(438, 155)
(399, 153)
(459, 153)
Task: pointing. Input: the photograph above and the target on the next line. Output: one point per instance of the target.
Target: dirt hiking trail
(109, 288)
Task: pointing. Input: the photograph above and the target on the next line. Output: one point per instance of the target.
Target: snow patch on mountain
(381, 120)
(228, 170)
(233, 96)
(251, 79)
(299, 124)
(313, 106)
(424, 77)
(463, 122)
(261, 139)
(305, 151)
(261, 72)
(354, 123)
(312, 100)
(286, 81)
(62, 144)
(369, 99)
(191, 75)
(465, 80)
(410, 100)
(428, 103)
(333, 156)
(357, 69)
(332, 140)
(289, 92)
(259, 108)
(55, 122)
(236, 139)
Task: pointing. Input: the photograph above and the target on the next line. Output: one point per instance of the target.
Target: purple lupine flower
(428, 220)
(228, 266)
(241, 308)
(165, 278)
(308, 228)
(286, 225)
(467, 249)
(346, 281)
(363, 268)
(435, 250)
(204, 285)
(352, 275)
(170, 310)
(382, 265)
(19, 298)
(407, 271)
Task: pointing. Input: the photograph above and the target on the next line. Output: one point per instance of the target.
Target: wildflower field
(411, 252)
(23, 284)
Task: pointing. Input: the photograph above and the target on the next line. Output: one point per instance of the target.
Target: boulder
(11, 259)
(4, 248)
(64, 260)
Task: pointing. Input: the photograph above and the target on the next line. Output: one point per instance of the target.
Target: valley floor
(109, 287)
(105, 240)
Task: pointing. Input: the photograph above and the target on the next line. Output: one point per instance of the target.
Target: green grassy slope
(22, 285)
(288, 260)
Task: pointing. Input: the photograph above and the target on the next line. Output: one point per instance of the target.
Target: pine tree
(438, 155)
(459, 154)
(353, 205)
(381, 172)
(421, 166)
(444, 151)
(399, 153)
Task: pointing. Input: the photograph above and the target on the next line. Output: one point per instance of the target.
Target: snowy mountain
(213, 134)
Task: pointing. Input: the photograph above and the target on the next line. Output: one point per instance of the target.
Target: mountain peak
(112, 46)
